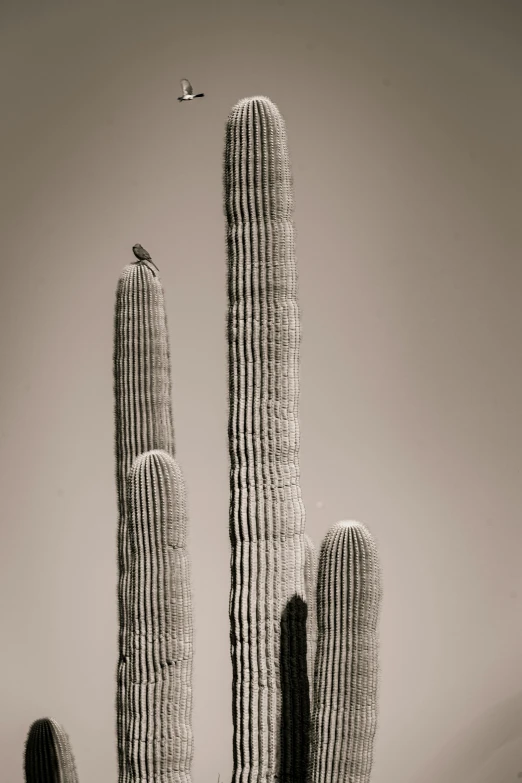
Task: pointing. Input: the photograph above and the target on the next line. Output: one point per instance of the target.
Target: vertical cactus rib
(310, 578)
(48, 757)
(143, 421)
(266, 511)
(346, 669)
(160, 743)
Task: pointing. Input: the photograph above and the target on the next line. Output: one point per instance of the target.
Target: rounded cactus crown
(346, 524)
(258, 182)
(48, 756)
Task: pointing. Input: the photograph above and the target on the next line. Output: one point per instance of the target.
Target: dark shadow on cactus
(41, 757)
(295, 695)
(48, 757)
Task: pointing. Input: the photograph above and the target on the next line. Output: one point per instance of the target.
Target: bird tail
(200, 95)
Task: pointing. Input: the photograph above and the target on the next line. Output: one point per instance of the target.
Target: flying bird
(188, 92)
(143, 256)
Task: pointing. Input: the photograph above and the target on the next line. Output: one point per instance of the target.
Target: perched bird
(142, 255)
(188, 92)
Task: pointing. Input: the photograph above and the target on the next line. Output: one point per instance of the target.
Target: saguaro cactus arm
(346, 669)
(160, 743)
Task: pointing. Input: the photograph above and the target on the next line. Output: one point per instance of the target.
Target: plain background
(404, 121)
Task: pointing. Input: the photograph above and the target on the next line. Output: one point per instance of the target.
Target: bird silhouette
(188, 92)
(143, 256)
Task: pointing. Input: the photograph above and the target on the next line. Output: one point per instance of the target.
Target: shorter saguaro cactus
(48, 756)
(346, 667)
(160, 743)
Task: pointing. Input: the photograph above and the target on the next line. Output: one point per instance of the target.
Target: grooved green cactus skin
(143, 421)
(48, 757)
(161, 745)
(266, 522)
(310, 577)
(346, 667)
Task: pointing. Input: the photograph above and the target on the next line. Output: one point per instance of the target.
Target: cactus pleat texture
(310, 577)
(289, 616)
(346, 667)
(160, 624)
(266, 511)
(48, 757)
(143, 422)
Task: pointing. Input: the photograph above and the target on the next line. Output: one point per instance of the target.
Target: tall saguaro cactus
(266, 511)
(143, 414)
(346, 667)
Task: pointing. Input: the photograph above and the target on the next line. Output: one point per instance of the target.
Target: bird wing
(186, 87)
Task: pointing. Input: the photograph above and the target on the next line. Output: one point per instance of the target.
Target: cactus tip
(349, 523)
(264, 100)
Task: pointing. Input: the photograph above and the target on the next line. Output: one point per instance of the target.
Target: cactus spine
(48, 757)
(266, 522)
(143, 414)
(346, 667)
